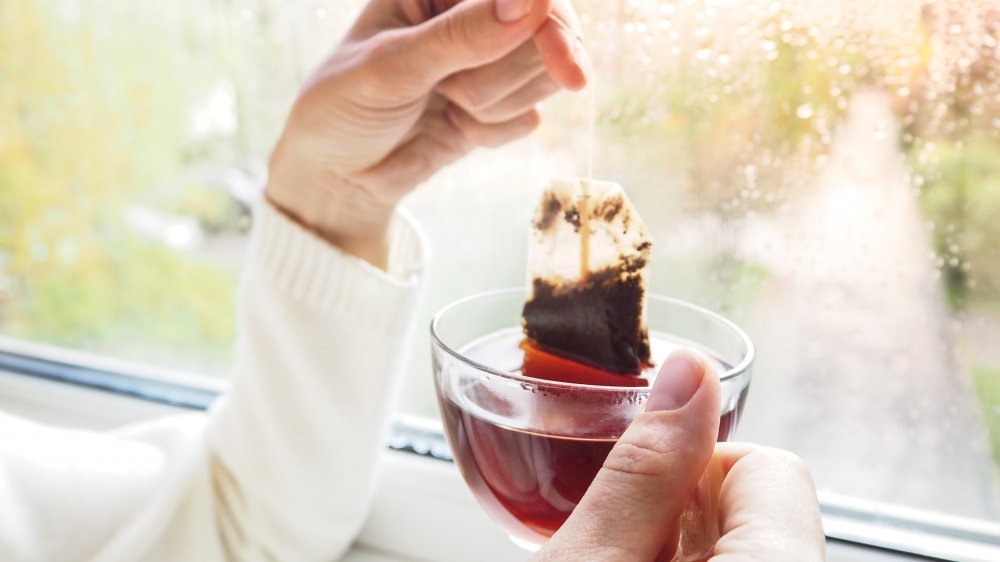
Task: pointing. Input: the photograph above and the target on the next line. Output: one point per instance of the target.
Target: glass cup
(529, 448)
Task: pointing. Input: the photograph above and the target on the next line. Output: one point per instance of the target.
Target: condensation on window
(826, 173)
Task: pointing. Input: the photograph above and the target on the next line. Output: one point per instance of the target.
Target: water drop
(804, 111)
(703, 54)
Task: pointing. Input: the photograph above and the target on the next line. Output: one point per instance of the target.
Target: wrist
(338, 211)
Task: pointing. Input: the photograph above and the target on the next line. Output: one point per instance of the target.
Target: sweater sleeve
(292, 448)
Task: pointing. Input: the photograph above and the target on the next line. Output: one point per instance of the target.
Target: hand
(762, 500)
(415, 85)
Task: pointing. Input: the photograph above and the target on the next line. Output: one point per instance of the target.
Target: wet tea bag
(587, 266)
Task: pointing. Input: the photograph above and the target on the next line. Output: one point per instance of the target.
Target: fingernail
(513, 10)
(677, 382)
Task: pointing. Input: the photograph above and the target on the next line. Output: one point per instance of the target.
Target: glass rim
(730, 373)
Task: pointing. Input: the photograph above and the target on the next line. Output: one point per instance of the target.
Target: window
(827, 174)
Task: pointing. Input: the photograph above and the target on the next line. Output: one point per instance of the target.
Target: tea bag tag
(587, 267)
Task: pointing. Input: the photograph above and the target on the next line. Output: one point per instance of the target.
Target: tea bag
(587, 265)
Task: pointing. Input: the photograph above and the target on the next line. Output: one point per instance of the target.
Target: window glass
(825, 173)
(133, 138)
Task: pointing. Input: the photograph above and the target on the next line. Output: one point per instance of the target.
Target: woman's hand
(761, 501)
(415, 85)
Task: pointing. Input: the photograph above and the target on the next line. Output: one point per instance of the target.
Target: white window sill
(421, 502)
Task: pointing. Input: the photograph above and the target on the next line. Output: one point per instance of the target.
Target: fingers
(767, 505)
(482, 87)
(445, 137)
(496, 133)
(518, 102)
(631, 510)
(503, 89)
(468, 35)
(561, 48)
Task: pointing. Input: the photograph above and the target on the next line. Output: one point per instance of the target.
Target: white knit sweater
(281, 468)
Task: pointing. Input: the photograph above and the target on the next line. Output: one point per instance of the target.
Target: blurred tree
(87, 122)
(952, 138)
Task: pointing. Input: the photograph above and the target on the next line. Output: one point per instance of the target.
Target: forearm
(321, 335)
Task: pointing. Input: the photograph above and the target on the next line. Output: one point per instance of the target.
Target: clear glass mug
(529, 448)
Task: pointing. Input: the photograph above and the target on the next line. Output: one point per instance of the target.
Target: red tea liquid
(531, 481)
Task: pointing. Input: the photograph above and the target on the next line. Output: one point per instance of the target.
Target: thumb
(632, 509)
(470, 34)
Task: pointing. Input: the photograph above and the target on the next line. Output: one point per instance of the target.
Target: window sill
(421, 497)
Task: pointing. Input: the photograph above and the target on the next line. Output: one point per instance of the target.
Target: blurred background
(824, 172)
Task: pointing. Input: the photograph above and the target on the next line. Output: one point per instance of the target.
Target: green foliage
(987, 384)
(142, 294)
(215, 211)
(87, 123)
(733, 136)
(961, 196)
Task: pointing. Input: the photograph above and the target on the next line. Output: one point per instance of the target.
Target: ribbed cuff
(313, 271)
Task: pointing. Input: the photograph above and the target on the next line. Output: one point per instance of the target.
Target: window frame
(418, 474)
